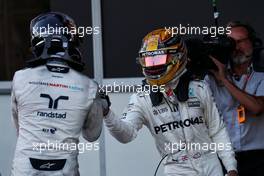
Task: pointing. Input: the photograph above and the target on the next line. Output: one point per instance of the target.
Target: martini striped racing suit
(50, 110)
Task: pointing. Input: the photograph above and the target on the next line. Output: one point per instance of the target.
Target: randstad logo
(52, 115)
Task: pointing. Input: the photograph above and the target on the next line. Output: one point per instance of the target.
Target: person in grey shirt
(239, 94)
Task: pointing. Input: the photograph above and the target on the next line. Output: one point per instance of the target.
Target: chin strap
(181, 91)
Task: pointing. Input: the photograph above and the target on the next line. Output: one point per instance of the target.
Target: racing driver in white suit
(182, 116)
(53, 102)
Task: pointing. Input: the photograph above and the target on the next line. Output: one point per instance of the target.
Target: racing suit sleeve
(218, 132)
(93, 124)
(260, 89)
(14, 110)
(125, 129)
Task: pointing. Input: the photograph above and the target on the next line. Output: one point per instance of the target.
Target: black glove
(105, 98)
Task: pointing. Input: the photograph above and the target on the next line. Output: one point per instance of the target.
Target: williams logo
(53, 104)
(49, 130)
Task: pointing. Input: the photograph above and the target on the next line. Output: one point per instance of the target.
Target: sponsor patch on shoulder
(193, 103)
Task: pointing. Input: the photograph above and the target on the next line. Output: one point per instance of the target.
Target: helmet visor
(156, 60)
(151, 61)
(158, 57)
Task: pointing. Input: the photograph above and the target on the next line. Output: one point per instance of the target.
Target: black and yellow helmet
(162, 56)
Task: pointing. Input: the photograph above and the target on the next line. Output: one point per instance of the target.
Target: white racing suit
(191, 133)
(50, 110)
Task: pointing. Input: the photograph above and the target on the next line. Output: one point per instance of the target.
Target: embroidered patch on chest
(194, 104)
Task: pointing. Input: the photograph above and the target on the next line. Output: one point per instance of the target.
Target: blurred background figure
(239, 93)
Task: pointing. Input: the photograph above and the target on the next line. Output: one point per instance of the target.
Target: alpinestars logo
(178, 124)
(47, 165)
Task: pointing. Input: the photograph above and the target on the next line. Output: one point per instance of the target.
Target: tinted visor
(157, 58)
(151, 61)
